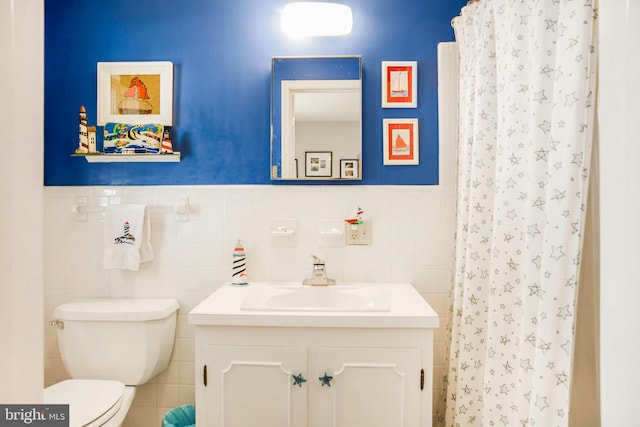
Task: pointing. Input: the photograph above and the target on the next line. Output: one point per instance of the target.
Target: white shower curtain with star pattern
(525, 129)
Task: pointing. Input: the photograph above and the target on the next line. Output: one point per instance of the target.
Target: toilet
(110, 346)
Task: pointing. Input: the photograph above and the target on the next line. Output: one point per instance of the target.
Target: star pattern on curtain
(525, 125)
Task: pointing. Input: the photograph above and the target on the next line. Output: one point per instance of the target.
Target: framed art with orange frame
(400, 141)
(399, 84)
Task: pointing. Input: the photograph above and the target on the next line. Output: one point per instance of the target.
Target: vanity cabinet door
(253, 386)
(370, 387)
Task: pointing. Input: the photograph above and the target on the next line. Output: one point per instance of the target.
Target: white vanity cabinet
(300, 369)
(249, 386)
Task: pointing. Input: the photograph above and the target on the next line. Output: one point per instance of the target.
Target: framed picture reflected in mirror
(349, 168)
(318, 163)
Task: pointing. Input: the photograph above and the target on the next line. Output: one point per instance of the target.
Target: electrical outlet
(358, 234)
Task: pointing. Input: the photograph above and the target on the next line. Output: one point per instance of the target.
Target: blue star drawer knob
(326, 380)
(298, 380)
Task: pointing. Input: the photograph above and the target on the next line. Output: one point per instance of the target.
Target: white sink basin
(315, 298)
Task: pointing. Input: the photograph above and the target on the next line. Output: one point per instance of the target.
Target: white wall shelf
(130, 158)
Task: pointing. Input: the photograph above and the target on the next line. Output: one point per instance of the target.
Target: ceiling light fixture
(308, 19)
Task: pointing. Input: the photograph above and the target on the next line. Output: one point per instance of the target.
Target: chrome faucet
(318, 274)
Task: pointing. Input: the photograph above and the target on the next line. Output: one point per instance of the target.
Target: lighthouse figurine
(167, 147)
(83, 137)
(239, 266)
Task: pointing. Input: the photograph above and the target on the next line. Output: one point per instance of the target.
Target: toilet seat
(91, 402)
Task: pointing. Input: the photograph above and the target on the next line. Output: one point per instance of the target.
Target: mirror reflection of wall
(327, 122)
(316, 107)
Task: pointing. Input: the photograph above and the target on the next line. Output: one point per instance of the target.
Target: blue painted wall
(221, 51)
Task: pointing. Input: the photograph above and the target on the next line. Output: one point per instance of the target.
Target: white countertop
(407, 310)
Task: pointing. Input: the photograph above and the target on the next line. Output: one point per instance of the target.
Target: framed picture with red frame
(400, 141)
(399, 84)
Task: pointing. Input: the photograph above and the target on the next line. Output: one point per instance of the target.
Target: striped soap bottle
(239, 265)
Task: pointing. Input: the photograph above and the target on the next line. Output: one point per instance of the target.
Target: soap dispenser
(239, 266)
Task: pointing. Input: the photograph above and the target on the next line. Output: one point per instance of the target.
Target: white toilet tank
(129, 340)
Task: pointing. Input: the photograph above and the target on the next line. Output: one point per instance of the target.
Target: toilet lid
(90, 401)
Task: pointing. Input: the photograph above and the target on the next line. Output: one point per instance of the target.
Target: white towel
(127, 237)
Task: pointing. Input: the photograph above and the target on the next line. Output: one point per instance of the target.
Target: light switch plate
(358, 234)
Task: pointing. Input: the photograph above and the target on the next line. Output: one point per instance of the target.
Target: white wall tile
(618, 112)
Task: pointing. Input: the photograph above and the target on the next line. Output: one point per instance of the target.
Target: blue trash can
(180, 416)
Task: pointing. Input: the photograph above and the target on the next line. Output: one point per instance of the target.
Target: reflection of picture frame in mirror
(318, 163)
(399, 84)
(400, 142)
(349, 168)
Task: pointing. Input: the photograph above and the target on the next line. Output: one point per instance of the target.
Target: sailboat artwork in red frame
(399, 84)
(400, 141)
